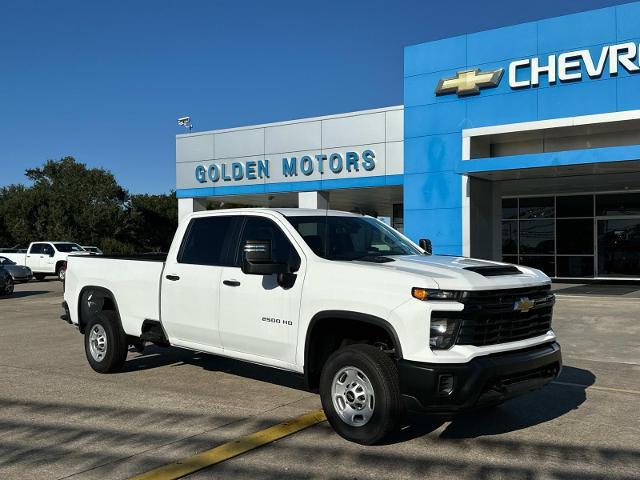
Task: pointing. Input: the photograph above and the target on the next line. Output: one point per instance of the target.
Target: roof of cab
(287, 212)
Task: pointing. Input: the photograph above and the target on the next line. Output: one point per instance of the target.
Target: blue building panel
(432, 153)
(433, 190)
(502, 44)
(576, 31)
(584, 98)
(488, 110)
(435, 56)
(628, 25)
(438, 225)
(435, 119)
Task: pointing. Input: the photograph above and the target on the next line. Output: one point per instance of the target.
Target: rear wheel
(61, 272)
(360, 394)
(105, 343)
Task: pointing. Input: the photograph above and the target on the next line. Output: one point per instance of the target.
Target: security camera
(185, 122)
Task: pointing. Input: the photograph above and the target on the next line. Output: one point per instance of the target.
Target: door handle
(173, 278)
(231, 283)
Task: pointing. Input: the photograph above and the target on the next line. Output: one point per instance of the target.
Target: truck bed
(134, 280)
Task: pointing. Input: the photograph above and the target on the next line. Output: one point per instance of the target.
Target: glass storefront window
(618, 204)
(574, 206)
(510, 236)
(619, 248)
(578, 266)
(537, 236)
(536, 207)
(509, 208)
(574, 236)
(545, 263)
(569, 236)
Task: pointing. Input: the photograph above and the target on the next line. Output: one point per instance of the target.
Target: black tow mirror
(257, 259)
(425, 244)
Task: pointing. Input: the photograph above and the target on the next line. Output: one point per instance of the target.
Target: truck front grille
(490, 317)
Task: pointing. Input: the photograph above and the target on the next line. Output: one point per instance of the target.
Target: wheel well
(328, 334)
(60, 263)
(94, 300)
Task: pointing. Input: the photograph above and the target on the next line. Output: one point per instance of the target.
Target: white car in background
(47, 258)
(92, 250)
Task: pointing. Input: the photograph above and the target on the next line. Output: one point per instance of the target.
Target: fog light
(445, 384)
(442, 333)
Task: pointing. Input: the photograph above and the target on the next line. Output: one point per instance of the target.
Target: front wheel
(8, 286)
(360, 394)
(105, 344)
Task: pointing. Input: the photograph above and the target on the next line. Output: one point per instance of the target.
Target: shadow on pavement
(154, 357)
(125, 440)
(27, 293)
(544, 405)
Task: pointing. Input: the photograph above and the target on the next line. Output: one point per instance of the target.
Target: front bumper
(453, 387)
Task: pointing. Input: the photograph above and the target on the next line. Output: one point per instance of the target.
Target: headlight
(442, 333)
(431, 294)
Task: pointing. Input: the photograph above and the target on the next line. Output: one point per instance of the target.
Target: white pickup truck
(375, 323)
(46, 258)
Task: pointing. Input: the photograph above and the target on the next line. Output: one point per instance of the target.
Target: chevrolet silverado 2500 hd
(372, 321)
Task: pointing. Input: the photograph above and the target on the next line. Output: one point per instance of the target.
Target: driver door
(259, 317)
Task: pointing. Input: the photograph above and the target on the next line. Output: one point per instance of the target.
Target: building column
(190, 205)
(315, 200)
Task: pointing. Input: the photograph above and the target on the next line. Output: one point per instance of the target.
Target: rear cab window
(210, 241)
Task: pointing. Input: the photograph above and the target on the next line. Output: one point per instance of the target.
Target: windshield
(6, 261)
(351, 238)
(68, 247)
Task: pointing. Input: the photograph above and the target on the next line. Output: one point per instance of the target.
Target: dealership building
(520, 143)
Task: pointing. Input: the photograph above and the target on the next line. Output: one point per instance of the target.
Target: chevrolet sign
(469, 82)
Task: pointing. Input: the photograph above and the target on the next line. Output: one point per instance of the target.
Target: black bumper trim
(482, 381)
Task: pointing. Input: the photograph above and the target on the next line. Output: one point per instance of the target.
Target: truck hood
(453, 273)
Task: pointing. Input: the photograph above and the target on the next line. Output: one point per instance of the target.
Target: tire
(8, 286)
(61, 272)
(39, 276)
(105, 344)
(356, 370)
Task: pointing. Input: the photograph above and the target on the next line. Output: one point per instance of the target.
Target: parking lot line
(232, 449)
(595, 387)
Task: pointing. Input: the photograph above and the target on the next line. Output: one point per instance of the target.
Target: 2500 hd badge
(382, 326)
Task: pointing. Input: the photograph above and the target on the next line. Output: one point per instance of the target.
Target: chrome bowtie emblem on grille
(524, 305)
(469, 82)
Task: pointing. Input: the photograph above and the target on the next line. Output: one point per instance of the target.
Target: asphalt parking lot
(59, 419)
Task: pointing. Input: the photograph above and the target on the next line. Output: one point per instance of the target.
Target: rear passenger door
(191, 282)
(260, 317)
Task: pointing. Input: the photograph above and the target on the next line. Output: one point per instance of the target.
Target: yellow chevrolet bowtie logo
(524, 305)
(469, 82)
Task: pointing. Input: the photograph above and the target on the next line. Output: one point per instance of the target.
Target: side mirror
(425, 244)
(257, 260)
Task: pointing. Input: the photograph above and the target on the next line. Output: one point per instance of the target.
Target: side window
(207, 241)
(259, 228)
(37, 248)
(47, 249)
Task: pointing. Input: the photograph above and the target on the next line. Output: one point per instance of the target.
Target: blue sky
(106, 81)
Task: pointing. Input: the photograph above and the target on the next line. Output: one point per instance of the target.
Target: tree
(68, 201)
(155, 219)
